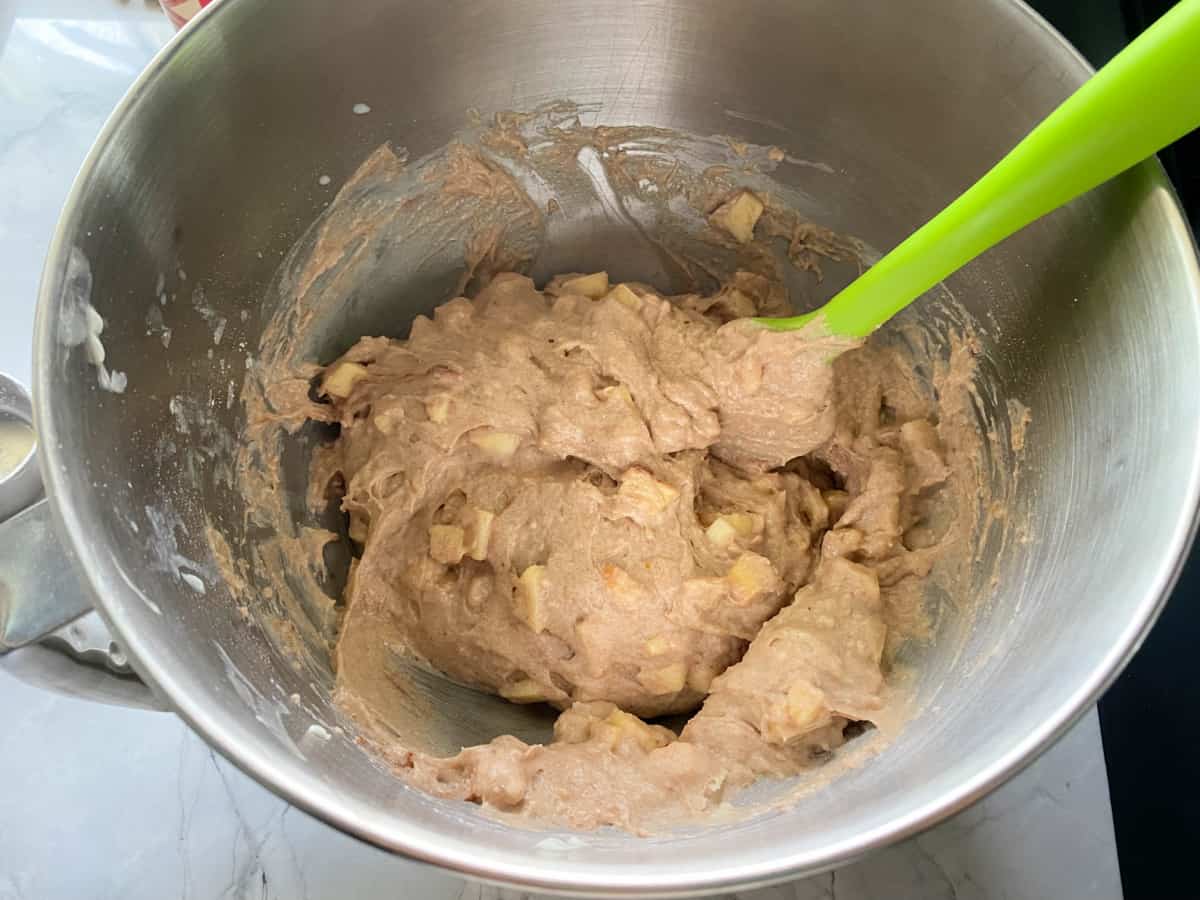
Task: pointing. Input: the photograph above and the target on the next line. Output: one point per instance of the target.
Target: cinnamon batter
(626, 506)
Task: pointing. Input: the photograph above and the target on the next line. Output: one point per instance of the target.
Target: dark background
(1150, 718)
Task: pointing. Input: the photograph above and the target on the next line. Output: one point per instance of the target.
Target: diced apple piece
(802, 709)
(629, 726)
(525, 691)
(478, 533)
(531, 607)
(614, 394)
(387, 420)
(750, 577)
(437, 408)
(665, 680)
(745, 524)
(836, 501)
(645, 491)
(700, 678)
(340, 380)
(446, 544)
(657, 645)
(499, 445)
(811, 506)
(728, 528)
(594, 286)
(721, 532)
(805, 704)
(738, 216)
(625, 296)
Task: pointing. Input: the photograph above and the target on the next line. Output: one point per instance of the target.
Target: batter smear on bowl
(628, 506)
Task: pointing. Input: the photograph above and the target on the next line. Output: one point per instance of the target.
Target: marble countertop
(100, 801)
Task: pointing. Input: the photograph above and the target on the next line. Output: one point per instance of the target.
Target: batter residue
(627, 506)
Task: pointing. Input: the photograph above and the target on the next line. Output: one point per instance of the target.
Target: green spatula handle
(1145, 98)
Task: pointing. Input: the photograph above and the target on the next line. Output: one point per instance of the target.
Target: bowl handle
(39, 591)
(50, 636)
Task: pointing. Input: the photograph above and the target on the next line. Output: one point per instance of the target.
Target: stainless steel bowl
(207, 174)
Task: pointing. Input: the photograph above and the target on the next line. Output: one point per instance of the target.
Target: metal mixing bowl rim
(290, 781)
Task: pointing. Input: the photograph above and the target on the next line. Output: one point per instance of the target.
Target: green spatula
(1145, 98)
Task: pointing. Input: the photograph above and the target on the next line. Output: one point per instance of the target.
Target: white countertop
(100, 801)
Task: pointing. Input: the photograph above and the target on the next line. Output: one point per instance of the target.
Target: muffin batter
(627, 506)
